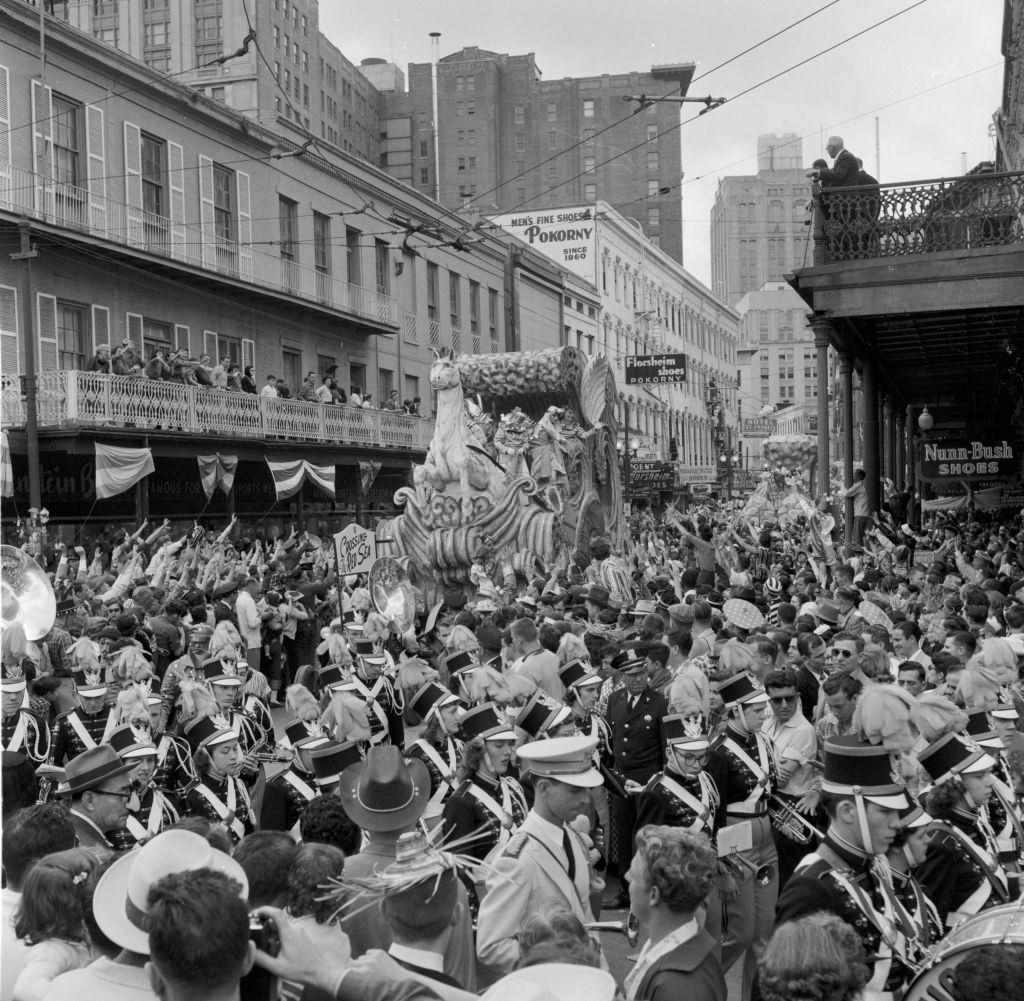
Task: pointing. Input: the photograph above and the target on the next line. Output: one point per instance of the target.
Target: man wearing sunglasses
(796, 747)
(844, 656)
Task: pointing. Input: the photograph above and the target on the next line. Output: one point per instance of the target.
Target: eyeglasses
(124, 794)
(692, 759)
(779, 700)
(840, 652)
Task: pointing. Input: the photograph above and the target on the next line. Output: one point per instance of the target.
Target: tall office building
(759, 228)
(507, 139)
(302, 79)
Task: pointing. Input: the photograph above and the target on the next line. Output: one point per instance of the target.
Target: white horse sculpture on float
(451, 459)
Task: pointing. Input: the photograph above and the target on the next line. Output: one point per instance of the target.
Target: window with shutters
(154, 175)
(385, 383)
(67, 141)
(224, 204)
(382, 264)
(72, 349)
(322, 242)
(474, 315)
(492, 317)
(291, 369)
(156, 336)
(229, 347)
(353, 266)
(454, 299)
(433, 291)
(288, 215)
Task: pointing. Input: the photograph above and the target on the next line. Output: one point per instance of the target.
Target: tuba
(392, 594)
(26, 595)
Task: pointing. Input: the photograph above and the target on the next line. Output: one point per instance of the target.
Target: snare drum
(995, 926)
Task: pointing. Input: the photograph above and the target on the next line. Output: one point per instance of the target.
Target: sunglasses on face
(780, 700)
(839, 652)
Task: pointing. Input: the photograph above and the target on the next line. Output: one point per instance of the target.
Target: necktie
(567, 847)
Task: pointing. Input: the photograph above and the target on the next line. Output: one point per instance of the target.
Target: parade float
(522, 468)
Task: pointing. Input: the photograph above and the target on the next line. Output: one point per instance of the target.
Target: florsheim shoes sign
(651, 369)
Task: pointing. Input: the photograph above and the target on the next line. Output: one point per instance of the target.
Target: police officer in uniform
(24, 731)
(287, 796)
(83, 727)
(437, 746)
(150, 809)
(545, 866)
(848, 874)
(635, 714)
(742, 766)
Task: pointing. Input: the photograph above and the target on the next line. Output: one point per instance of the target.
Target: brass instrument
(392, 594)
(742, 869)
(26, 595)
(630, 928)
(790, 822)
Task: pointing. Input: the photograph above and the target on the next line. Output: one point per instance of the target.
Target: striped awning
(289, 477)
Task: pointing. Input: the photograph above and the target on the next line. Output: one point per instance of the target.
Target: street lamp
(925, 421)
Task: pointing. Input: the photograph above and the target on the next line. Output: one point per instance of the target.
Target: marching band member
(287, 796)
(225, 683)
(905, 854)
(961, 871)
(1003, 809)
(82, 727)
(23, 730)
(743, 769)
(437, 746)
(190, 666)
(384, 704)
(582, 690)
(488, 805)
(543, 717)
(330, 761)
(848, 875)
(150, 810)
(684, 795)
(219, 794)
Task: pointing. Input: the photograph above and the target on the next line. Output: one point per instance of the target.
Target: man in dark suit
(844, 173)
(97, 783)
(635, 715)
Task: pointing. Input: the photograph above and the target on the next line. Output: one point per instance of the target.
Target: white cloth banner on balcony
(217, 471)
(117, 468)
(6, 469)
(289, 477)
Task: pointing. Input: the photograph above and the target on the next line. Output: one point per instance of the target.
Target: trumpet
(630, 928)
(742, 869)
(789, 822)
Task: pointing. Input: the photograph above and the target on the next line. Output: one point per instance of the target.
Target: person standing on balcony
(270, 389)
(219, 375)
(234, 379)
(125, 358)
(283, 390)
(325, 391)
(393, 403)
(356, 397)
(307, 391)
(157, 367)
(249, 380)
(844, 171)
(100, 362)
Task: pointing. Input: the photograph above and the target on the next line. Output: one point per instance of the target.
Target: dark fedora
(384, 792)
(91, 769)
(598, 595)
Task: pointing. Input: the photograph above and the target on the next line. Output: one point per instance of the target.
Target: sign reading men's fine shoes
(958, 459)
(651, 369)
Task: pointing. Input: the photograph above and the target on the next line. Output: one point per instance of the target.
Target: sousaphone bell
(392, 594)
(26, 594)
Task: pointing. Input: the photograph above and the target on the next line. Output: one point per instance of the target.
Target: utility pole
(26, 256)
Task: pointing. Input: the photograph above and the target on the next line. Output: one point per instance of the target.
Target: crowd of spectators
(179, 366)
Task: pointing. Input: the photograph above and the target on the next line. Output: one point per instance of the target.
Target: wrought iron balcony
(64, 205)
(94, 399)
(918, 217)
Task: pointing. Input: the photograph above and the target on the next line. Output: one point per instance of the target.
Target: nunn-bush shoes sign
(959, 459)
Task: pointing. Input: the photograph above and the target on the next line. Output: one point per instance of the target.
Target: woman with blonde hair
(816, 958)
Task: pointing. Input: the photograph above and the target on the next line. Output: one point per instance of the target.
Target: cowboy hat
(384, 792)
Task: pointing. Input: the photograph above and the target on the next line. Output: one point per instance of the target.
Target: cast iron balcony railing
(918, 217)
(77, 209)
(70, 399)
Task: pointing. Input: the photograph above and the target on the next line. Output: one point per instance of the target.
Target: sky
(949, 48)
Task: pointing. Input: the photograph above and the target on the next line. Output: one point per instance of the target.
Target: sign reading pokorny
(960, 459)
